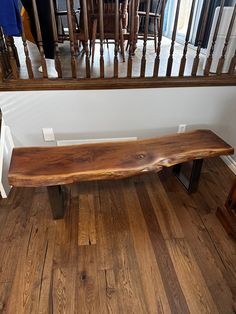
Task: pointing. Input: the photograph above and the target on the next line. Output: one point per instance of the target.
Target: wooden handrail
(119, 83)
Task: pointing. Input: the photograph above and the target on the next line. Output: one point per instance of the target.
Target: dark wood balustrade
(112, 44)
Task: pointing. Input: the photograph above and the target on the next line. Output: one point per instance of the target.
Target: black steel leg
(57, 201)
(190, 184)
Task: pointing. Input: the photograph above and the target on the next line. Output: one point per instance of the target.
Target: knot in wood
(83, 276)
(140, 156)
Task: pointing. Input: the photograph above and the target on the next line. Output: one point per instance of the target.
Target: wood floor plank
(63, 288)
(125, 260)
(45, 294)
(174, 292)
(31, 263)
(153, 286)
(87, 230)
(225, 246)
(198, 297)
(108, 292)
(204, 252)
(18, 215)
(87, 280)
(8, 260)
(104, 229)
(5, 289)
(87, 286)
(168, 221)
(223, 175)
(64, 299)
(12, 237)
(220, 284)
(3, 215)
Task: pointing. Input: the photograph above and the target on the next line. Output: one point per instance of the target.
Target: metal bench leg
(57, 201)
(190, 184)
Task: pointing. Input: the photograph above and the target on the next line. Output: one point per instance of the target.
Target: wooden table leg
(57, 201)
(191, 184)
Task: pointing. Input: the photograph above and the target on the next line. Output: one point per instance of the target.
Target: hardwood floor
(141, 245)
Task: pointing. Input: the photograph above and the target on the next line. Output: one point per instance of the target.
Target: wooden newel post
(227, 215)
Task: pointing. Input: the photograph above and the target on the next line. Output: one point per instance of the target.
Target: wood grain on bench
(46, 166)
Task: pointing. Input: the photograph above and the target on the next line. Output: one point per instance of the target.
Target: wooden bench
(54, 167)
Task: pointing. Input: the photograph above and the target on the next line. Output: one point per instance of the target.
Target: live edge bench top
(46, 166)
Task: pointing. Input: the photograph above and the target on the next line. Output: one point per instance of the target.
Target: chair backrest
(159, 5)
(156, 6)
(109, 6)
(109, 10)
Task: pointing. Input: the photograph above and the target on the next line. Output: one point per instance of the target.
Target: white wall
(6, 146)
(116, 113)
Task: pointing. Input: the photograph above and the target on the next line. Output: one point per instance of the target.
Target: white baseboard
(96, 140)
(230, 162)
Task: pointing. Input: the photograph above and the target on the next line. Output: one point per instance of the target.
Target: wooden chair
(109, 18)
(62, 23)
(62, 34)
(154, 17)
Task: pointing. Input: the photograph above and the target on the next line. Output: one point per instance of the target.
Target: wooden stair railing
(54, 167)
(119, 21)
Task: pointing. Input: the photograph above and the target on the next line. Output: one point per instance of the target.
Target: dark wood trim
(120, 83)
